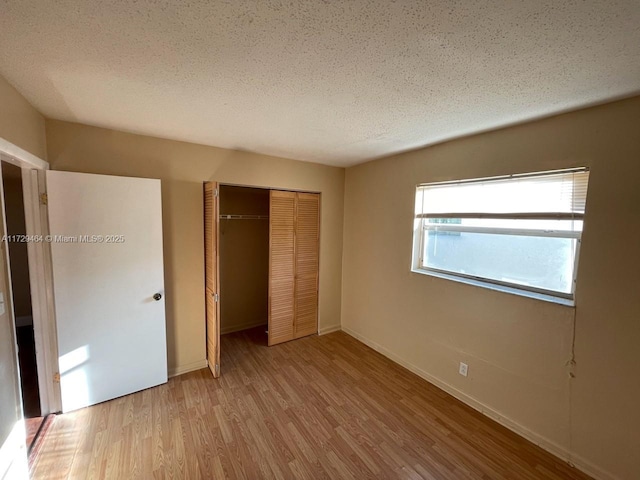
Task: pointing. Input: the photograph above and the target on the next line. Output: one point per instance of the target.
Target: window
(521, 232)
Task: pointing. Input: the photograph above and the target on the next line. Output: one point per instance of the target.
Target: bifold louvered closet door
(306, 277)
(293, 265)
(212, 274)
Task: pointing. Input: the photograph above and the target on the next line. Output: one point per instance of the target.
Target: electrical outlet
(464, 369)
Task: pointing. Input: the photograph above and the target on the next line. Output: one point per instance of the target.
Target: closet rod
(244, 217)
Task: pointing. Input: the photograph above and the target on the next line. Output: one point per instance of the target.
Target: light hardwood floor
(319, 407)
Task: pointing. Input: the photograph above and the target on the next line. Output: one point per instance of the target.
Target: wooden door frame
(40, 271)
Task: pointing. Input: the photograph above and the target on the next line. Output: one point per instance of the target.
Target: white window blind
(554, 194)
(520, 230)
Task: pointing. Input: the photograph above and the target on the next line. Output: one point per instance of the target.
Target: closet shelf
(244, 217)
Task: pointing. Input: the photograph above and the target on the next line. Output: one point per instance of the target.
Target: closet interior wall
(244, 258)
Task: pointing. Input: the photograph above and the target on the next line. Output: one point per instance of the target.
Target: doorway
(21, 292)
(244, 263)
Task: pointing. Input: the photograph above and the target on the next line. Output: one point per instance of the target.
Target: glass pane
(540, 262)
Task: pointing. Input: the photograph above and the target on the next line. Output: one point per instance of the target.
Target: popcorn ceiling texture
(335, 82)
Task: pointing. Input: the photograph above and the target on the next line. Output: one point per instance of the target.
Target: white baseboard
(240, 327)
(189, 367)
(544, 443)
(332, 328)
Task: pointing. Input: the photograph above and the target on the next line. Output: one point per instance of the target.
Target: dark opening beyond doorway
(19, 265)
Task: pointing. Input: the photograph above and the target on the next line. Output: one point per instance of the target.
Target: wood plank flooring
(319, 407)
(31, 426)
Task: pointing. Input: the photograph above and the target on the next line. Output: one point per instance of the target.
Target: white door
(108, 279)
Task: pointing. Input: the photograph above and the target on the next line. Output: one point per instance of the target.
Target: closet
(244, 258)
(261, 264)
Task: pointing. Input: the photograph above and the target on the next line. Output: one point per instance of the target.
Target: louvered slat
(281, 267)
(208, 236)
(307, 256)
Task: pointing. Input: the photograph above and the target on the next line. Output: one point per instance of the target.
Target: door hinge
(217, 368)
(44, 199)
(215, 192)
(56, 377)
(216, 297)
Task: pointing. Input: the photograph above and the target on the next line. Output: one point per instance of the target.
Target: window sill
(500, 288)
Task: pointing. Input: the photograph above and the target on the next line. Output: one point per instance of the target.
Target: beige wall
(22, 125)
(183, 167)
(516, 348)
(244, 259)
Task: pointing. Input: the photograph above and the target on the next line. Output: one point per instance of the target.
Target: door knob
(157, 296)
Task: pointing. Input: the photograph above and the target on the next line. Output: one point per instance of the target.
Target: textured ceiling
(335, 82)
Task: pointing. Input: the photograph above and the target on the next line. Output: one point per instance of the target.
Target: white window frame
(421, 227)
